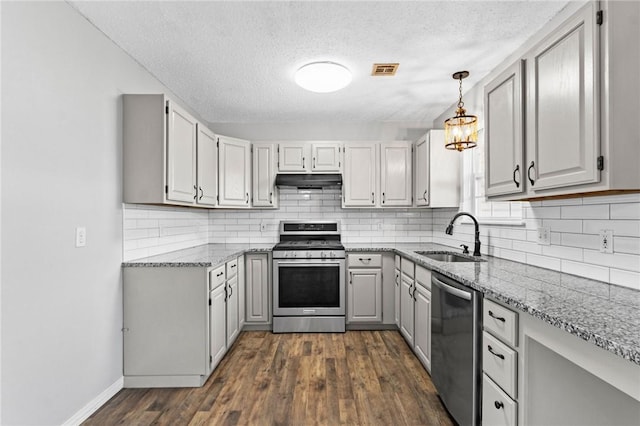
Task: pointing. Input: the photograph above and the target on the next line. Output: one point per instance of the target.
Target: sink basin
(448, 257)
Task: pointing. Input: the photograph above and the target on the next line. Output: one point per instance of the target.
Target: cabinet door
(397, 297)
(325, 157)
(364, 295)
(562, 111)
(504, 143)
(232, 310)
(444, 172)
(396, 176)
(234, 171)
(422, 329)
(181, 155)
(264, 175)
(241, 293)
(257, 288)
(406, 308)
(207, 167)
(217, 325)
(293, 157)
(421, 167)
(359, 186)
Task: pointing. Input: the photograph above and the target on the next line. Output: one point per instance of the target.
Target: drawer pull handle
(233, 266)
(498, 405)
(492, 315)
(367, 260)
(495, 354)
(219, 274)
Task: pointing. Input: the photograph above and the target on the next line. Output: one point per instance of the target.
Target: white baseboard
(85, 412)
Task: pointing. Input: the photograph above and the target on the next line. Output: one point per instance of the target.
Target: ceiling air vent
(384, 69)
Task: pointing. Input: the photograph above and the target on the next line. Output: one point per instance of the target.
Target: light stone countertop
(603, 314)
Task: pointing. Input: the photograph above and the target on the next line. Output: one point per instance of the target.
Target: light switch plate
(81, 236)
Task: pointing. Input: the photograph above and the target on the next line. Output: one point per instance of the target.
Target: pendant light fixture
(461, 131)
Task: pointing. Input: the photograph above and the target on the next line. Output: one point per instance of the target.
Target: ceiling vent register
(384, 69)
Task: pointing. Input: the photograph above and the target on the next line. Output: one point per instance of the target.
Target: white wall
(61, 168)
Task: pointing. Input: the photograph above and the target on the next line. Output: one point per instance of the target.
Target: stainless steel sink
(448, 257)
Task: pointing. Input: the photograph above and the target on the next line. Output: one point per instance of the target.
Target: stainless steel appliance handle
(451, 290)
(307, 262)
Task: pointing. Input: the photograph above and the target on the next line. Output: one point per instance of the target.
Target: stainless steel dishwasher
(456, 365)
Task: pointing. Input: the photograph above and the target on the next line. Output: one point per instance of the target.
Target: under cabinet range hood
(309, 180)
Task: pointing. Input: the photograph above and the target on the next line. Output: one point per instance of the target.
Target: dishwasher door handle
(451, 290)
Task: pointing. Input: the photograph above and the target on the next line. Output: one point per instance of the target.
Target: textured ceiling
(233, 61)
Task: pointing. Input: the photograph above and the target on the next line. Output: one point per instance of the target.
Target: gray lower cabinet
(396, 287)
(364, 288)
(233, 302)
(407, 305)
(166, 327)
(422, 316)
(258, 288)
(217, 321)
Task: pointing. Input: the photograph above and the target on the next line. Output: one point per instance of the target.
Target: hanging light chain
(460, 103)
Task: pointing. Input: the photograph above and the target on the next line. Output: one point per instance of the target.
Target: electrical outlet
(263, 226)
(544, 235)
(81, 236)
(606, 241)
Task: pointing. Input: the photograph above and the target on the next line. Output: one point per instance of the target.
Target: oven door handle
(303, 262)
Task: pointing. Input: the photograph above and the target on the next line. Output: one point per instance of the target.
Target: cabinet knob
(498, 404)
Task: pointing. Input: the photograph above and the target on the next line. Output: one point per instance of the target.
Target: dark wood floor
(357, 378)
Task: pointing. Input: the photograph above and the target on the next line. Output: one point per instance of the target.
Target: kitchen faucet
(449, 231)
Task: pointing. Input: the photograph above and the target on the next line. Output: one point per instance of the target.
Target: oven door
(308, 287)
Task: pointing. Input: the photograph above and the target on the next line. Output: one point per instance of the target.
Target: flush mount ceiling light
(323, 77)
(461, 131)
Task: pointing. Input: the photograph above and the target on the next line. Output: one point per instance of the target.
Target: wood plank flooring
(355, 378)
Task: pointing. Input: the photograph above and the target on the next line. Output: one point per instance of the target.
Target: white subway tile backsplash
(627, 262)
(543, 261)
(624, 228)
(592, 211)
(625, 278)
(575, 225)
(626, 245)
(625, 211)
(590, 271)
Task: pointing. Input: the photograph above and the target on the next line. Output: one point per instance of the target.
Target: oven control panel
(308, 254)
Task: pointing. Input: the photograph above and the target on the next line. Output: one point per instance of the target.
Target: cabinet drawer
(407, 267)
(397, 259)
(497, 408)
(500, 362)
(216, 277)
(364, 260)
(501, 322)
(232, 268)
(423, 277)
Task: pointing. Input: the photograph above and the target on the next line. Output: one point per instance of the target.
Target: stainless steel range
(309, 278)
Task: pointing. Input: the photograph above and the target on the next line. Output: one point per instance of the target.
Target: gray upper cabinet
(207, 167)
(395, 174)
(579, 93)
(264, 191)
(562, 108)
(169, 157)
(181, 154)
(234, 172)
(437, 172)
(326, 157)
(359, 186)
(504, 132)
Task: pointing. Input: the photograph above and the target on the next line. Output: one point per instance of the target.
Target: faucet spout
(476, 245)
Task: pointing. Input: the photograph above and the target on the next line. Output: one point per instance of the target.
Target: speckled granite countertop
(603, 314)
(206, 255)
